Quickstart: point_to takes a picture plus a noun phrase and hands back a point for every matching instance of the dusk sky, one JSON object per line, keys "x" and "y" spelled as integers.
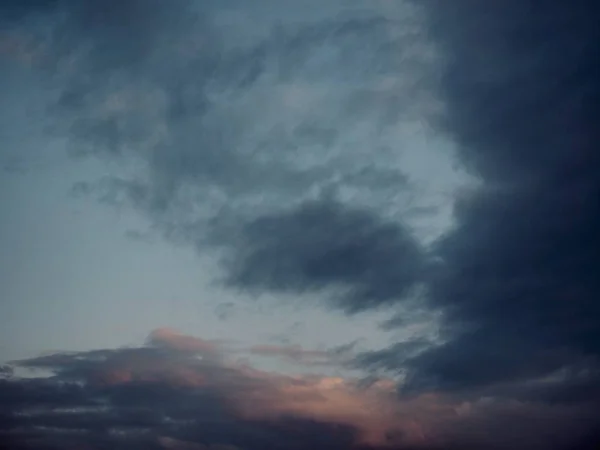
{"x": 310, "y": 224}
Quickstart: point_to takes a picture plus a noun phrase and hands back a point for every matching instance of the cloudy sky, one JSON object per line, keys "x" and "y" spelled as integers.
{"x": 277, "y": 224}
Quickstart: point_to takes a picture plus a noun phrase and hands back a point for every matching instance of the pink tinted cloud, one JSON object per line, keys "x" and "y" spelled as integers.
{"x": 372, "y": 411}
{"x": 260, "y": 395}
{"x": 166, "y": 337}
{"x": 378, "y": 415}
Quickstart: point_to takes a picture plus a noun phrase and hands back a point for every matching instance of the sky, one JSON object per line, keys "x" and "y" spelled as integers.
{"x": 334, "y": 224}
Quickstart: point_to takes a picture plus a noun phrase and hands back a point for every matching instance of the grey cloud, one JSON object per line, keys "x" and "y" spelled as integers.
{"x": 192, "y": 123}
{"x": 325, "y": 244}
{"x": 140, "y": 403}
{"x": 172, "y": 91}
{"x": 14, "y": 10}
{"x": 297, "y": 354}
{"x": 76, "y": 408}
{"x": 293, "y": 352}
{"x": 225, "y": 311}
{"x": 392, "y": 358}
{"x": 519, "y": 276}
{"x": 94, "y": 415}
{"x": 6, "y": 371}
{"x": 144, "y": 397}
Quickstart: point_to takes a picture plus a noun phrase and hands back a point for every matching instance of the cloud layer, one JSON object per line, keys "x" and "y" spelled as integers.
{"x": 167, "y": 395}
{"x": 170, "y": 94}
{"x": 275, "y": 138}
{"x": 518, "y": 282}
{"x": 517, "y": 285}
{"x": 327, "y": 245}
{"x": 167, "y": 391}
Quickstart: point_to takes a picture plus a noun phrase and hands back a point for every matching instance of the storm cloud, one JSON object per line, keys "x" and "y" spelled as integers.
{"x": 518, "y": 285}
{"x": 162, "y": 396}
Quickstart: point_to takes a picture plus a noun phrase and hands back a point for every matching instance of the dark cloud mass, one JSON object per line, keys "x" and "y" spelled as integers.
{"x": 519, "y": 284}
{"x": 324, "y": 244}
{"x": 163, "y": 396}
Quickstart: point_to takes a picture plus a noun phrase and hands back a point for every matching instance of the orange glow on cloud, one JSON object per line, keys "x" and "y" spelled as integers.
{"x": 178, "y": 341}
{"x": 374, "y": 411}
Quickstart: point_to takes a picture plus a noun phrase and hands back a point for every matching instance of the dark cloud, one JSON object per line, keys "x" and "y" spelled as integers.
{"x": 297, "y": 354}
{"x": 323, "y": 245}
{"x": 162, "y": 395}
{"x": 6, "y": 371}
{"x": 168, "y": 86}
{"x": 525, "y": 95}
{"x": 170, "y": 90}
{"x": 292, "y": 352}
{"x": 225, "y": 310}
{"x": 14, "y": 10}
{"x": 518, "y": 282}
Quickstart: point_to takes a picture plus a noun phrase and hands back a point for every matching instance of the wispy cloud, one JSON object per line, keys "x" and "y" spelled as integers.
{"x": 175, "y": 101}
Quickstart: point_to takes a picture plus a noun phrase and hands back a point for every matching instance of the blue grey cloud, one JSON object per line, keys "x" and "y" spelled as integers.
{"x": 518, "y": 280}
{"x": 219, "y": 129}
{"x": 326, "y": 245}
